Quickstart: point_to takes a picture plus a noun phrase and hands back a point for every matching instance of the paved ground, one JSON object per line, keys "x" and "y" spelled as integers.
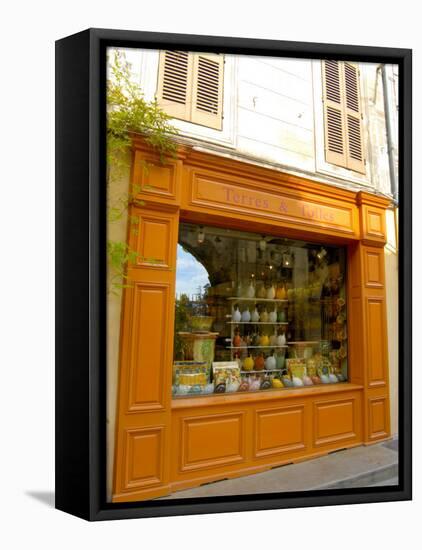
{"x": 358, "y": 467}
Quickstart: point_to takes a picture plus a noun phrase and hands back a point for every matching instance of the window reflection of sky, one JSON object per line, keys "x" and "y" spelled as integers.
{"x": 189, "y": 274}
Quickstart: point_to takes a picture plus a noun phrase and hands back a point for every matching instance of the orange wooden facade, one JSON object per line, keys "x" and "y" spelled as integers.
{"x": 164, "y": 445}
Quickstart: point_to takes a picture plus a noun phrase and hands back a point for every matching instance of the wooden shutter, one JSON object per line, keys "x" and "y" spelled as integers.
{"x": 342, "y": 115}
{"x": 207, "y": 92}
{"x": 175, "y": 83}
{"x": 353, "y": 116}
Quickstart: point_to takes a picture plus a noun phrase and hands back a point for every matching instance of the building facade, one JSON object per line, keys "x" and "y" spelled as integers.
{"x": 307, "y": 126}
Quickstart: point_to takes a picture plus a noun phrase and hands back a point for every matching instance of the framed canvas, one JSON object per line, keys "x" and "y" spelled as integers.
{"x": 233, "y": 314}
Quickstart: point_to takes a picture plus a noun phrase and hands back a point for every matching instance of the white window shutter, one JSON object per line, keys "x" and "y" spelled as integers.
{"x": 174, "y": 92}
{"x": 334, "y": 125}
{"x": 353, "y": 115}
{"x": 207, "y": 90}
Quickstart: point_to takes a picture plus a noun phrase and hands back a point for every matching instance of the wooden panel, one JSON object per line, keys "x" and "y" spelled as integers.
{"x": 356, "y": 341}
{"x": 279, "y": 430}
{"x": 211, "y": 441}
{"x": 378, "y": 418}
{"x": 334, "y": 421}
{"x": 155, "y": 240}
{"x": 155, "y": 181}
{"x": 373, "y": 224}
{"x": 227, "y": 196}
{"x": 148, "y": 355}
{"x": 374, "y": 268}
{"x": 376, "y": 345}
{"x": 143, "y": 458}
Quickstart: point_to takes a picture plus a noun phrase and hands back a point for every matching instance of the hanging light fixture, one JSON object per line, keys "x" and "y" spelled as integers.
{"x": 287, "y": 260}
{"x": 321, "y": 254}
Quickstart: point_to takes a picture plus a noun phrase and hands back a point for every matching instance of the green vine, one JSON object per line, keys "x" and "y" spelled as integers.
{"x": 128, "y": 114}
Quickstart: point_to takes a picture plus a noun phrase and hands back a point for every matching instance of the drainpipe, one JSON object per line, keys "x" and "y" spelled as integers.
{"x": 389, "y": 126}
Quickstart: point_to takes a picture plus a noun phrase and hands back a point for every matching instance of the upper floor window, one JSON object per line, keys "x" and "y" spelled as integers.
{"x": 190, "y": 87}
{"x": 343, "y": 115}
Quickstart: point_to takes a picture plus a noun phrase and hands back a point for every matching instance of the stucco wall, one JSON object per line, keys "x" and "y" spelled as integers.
{"x": 391, "y": 282}
{"x": 116, "y": 231}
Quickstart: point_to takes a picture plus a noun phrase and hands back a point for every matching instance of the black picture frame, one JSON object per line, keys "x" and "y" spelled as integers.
{"x": 81, "y": 269}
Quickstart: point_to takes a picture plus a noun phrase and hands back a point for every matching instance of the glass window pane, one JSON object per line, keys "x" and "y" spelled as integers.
{"x": 257, "y": 312}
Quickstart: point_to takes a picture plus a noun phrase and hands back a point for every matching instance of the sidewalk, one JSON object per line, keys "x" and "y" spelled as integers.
{"x": 358, "y": 467}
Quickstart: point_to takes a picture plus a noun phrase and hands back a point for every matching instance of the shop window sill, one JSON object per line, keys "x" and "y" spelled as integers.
{"x": 268, "y": 395}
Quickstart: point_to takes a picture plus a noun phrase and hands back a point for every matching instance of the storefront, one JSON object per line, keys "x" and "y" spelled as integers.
{"x": 280, "y": 358}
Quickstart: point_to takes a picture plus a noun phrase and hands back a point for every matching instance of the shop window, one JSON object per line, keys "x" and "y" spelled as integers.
{"x": 257, "y": 312}
{"x": 343, "y": 115}
{"x": 190, "y": 87}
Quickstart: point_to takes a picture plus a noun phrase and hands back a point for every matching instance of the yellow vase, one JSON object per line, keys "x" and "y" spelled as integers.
{"x": 281, "y": 293}
{"x": 264, "y": 340}
{"x": 248, "y": 363}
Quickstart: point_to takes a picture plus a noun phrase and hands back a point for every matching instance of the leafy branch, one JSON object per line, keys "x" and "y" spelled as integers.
{"x": 128, "y": 113}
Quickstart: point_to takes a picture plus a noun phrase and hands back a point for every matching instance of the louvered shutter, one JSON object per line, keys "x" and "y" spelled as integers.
{"x": 175, "y": 83}
{"x": 353, "y": 117}
{"x": 207, "y": 92}
{"x": 342, "y": 115}
{"x": 335, "y": 137}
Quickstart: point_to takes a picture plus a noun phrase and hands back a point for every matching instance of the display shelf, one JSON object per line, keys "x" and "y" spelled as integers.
{"x": 259, "y": 371}
{"x": 257, "y": 322}
{"x": 255, "y": 347}
{"x": 257, "y": 300}
{"x": 304, "y": 343}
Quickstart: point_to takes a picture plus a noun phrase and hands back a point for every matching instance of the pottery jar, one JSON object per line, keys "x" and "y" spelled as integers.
{"x": 273, "y": 316}
{"x": 236, "y": 316}
{"x": 270, "y": 293}
{"x": 246, "y": 316}
{"x": 255, "y": 316}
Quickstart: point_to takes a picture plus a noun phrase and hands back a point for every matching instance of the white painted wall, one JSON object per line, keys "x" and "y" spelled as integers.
{"x": 273, "y": 115}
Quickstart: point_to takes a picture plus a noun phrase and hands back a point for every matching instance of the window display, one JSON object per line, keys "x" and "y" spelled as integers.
{"x": 257, "y": 312}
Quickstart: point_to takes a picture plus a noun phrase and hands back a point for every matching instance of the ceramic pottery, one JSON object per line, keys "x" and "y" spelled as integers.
{"x": 280, "y": 360}
{"x": 297, "y": 381}
{"x": 277, "y": 383}
{"x": 333, "y": 378}
{"x": 264, "y": 340}
{"x": 325, "y": 379}
{"x": 266, "y": 384}
{"x": 244, "y": 386}
{"x": 316, "y": 379}
{"x": 273, "y": 340}
{"x": 232, "y": 386}
{"x": 270, "y": 362}
{"x": 287, "y": 382}
{"x": 255, "y": 340}
{"x": 270, "y": 293}
{"x": 236, "y": 316}
{"x": 261, "y": 292}
{"x": 281, "y": 317}
{"x": 264, "y": 316}
{"x": 246, "y": 316}
{"x": 237, "y": 340}
{"x": 307, "y": 381}
{"x": 248, "y": 363}
{"x": 259, "y": 362}
{"x": 281, "y": 293}
{"x": 255, "y": 316}
{"x": 273, "y": 316}
{"x": 220, "y": 388}
{"x": 254, "y": 383}
{"x": 281, "y": 340}
{"x": 250, "y": 293}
